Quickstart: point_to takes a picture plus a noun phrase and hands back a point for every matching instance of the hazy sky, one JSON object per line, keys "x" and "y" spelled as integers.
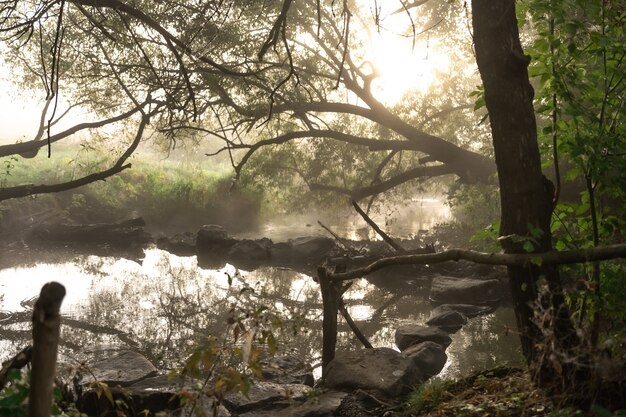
{"x": 19, "y": 111}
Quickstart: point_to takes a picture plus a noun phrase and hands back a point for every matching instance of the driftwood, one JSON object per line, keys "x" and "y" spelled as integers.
{"x": 16, "y": 362}
{"x": 46, "y": 328}
{"x": 378, "y": 230}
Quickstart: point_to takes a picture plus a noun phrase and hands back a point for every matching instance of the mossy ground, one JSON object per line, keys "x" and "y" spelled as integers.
{"x": 500, "y": 392}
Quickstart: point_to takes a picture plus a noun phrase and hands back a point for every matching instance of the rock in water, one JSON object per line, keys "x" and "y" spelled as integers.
{"x": 465, "y": 290}
{"x": 429, "y": 357}
{"x": 468, "y": 310}
{"x": 411, "y": 334}
{"x": 448, "y": 321}
{"x": 381, "y": 370}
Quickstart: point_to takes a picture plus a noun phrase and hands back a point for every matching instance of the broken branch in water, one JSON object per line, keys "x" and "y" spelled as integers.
{"x": 378, "y": 230}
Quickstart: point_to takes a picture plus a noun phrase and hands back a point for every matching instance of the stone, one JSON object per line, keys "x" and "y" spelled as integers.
{"x": 312, "y": 247}
{"x": 410, "y": 334}
{"x": 281, "y": 253}
{"x": 181, "y": 244}
{"x": 264, "y": 394}
{"x": 210, "y": 234}
{"x": 429, "y": 357}
{"x": 124, "y": 368}
{"x": 468, "y": 310}
{"x": 453, "y": 290}
{"x": 323, "y": 405}
{"x": 93, "y": 403}
{"x": 448, "y": 321}
{"x": 287, "y": 369}
{"x": 248, "y": 252}
{"x": 381, "y": 370}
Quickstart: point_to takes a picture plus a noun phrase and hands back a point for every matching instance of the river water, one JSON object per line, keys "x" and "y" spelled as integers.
{"x": 164, "y": 304}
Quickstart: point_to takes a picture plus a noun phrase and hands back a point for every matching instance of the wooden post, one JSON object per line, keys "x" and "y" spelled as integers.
{"x": 329, "y": 323}
{"x": 46, "y": 327}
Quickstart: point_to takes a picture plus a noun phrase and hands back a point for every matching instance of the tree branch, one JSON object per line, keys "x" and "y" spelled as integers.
{"x": 599, "y": 253}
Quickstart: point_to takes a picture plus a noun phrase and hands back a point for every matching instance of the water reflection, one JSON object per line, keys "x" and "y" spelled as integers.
{"x": 162, "y": 306}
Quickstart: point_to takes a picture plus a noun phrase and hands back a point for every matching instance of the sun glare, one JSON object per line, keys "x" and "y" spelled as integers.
{"x": 404, "y": 63}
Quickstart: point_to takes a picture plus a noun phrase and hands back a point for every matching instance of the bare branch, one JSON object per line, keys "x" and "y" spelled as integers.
{"x": 599, "y": 253}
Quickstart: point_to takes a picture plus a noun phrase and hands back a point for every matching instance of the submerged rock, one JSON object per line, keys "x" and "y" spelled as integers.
{"x": 381, "y": 370}
{"x": 468, "y": 310}
{"x": 411, "y": 334}
{"x": 124, "y": 369}
{"x": 449, "y": 321}
{"x": 429, "y": 357}
{"x": 454, "y": 290}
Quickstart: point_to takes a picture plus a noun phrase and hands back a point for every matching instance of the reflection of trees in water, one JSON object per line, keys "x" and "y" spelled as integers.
{"x": 485, "y": 342}
{"x": 165, "y": 306}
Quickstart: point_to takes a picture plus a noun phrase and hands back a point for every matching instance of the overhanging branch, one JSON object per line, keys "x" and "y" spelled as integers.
{"x": 600, "y": 253}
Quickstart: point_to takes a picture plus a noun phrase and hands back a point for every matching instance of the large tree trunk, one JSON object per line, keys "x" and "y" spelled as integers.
{"x": 526, "y": 195}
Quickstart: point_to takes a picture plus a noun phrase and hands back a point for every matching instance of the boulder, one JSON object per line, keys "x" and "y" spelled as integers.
{"x": 155, "y": 394}
{"x": 449, "y": 321}
{"x": 287, "y": 369}
{"x": 410, "y": 334}
{"x": 124, "y": 369}
{"x": 454, "y": 290}
{"x": 311, "y": 248}
{"x": 249, "y": 253}
{"x": 211, "y": 234}
{"x": 181, "y": 244}
{"x": 381, "y": 370}
{"x": 468, "y": 310}
{"x": 429, "y": 357}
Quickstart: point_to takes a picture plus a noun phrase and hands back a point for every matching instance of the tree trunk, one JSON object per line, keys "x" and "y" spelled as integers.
{"x": 526, "y": 195}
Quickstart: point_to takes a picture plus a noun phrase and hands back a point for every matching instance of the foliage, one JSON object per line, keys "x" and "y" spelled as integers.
{"x": 13, "y": 398}
{"x": 232, "y": 361}
{"x": 578, "y": 65}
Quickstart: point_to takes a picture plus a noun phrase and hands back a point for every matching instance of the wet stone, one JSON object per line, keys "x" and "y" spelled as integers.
{"x": 381, "y": 370}
{"x": 468, "y": 310}
{"x": 410, "y": 334}
{"x": 454, "y": 290}
{"x": 448, "y": 321}
{"x": 124, "y": 368}
{"x": 429, "y": 357}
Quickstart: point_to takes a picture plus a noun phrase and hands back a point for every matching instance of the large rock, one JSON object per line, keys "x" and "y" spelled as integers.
{"x": 211, "y": 234}
{"x": 382, "y": 370}
{"x": 449, "y": 321}
{"x": 124, "y": 368}
{"x": 468, "y": 310}
{"x": 411, "y": 334}
{"x": 429, "y": 357}
{"x": 249, "y": 253}
{"x": 311, "y": 247}
{"x": 181, "y": 244}
{"x": 465, "y": 290}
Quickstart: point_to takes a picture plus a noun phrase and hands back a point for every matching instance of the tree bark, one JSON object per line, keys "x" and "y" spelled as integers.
{"x": 46, "y": 328}
{"x": 525, "y": 194}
